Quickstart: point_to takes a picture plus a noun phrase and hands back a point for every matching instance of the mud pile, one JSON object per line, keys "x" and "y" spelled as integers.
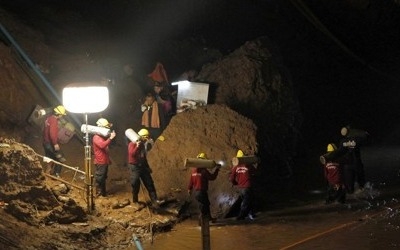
{"x": 215, "y": 130}
{"x": 253, "y": 81}
{"x": 23, "y": 188}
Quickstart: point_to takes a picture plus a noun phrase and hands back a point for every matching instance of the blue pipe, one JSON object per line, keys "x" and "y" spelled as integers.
{"x": 137, "y": 242}
{"x": 30, "y": 63}
{"x": 33, "y": 66}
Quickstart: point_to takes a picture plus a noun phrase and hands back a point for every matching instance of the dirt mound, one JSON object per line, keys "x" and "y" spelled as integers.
{"x": 23, "y": 188}
{"x": 253, "y": 82}
{"x": 215, "y": 130}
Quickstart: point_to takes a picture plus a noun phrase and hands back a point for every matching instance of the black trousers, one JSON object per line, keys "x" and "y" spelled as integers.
{"x": 353, "y": 172}
{"x": 204, "y": 203}
{"x": 51, "y": 153}
{"x": 100, "y": 178}
{"x": 246, "y": 207}
{"x": 335, "y": 193}
{"x": 142, "y": 172}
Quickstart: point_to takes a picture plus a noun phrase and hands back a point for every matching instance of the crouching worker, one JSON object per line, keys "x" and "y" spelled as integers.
{"x": 198, "y": 183}
{"x": 333, "y": 171}
{"x": 140, "y": 169}
{"x": 242, "y": 176}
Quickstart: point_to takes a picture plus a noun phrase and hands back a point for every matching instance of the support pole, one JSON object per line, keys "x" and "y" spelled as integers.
{"x": 205, "y": 232}
{"x": 88, "y": 171}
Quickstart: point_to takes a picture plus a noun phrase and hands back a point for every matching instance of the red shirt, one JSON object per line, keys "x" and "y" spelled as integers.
{"x": 333, "y": 173}
{"x": 199, "y": 178}
{"x": 50, "y": 131}
{"x": 242, "y": 175}
{"x": 100, "y": 149}
{"x": 136, "y": 153}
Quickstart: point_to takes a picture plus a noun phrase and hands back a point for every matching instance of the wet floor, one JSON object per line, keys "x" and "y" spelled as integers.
{"x": 369, "y": 220}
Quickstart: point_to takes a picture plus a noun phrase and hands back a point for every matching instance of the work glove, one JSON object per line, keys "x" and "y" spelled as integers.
{"x": 145, "y": 107}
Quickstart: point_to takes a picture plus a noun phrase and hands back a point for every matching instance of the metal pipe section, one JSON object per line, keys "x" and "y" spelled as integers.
{"x": 199, "y": 163}
{"x": 48, "y": 160}
{"x": 64, "y": 181}
{"x": 245, "y": 160}
{"x": 136, "y": 240}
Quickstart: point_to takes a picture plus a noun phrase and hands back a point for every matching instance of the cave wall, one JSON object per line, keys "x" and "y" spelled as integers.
{"x": 254, "y": 82}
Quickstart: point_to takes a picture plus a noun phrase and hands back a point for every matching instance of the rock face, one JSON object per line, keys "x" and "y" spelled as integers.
{"x": 215, "y": 130}
{"x": 22, "y": 187}
{"x": 253, "y": 82}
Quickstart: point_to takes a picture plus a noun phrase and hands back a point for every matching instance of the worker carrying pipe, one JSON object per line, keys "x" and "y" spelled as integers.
{"x": 138, "y": 148}
{"x": 198, "y": 184}
{"x": 102, "y": 156}
{"x": 242, "y": 176}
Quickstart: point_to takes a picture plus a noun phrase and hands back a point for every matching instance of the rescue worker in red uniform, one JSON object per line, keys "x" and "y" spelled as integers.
{"x": 50, "y": 139}
{"x": 102, "y": 157}
{"x": 242, "y": 177}
{"x": 140, "y": 169}
{"x": 198, "y": 183}
{"x": 333, "y": 172}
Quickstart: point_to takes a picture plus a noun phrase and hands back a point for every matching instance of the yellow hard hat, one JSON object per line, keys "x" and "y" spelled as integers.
{"x": 239, "y": 153}
{"x": 143, "y": 132}
{"x": 60, "y": 110}
{"x": 331, "y": 147}
{"x": 102, "y": 122}
{"x": 202, "y": 156}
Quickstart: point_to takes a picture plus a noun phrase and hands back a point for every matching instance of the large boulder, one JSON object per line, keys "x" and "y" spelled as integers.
{"x": 253, "y": 81}
{"x": 215, "y": 130}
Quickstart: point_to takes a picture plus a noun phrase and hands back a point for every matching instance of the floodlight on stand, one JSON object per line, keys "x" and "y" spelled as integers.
{"x": 86, "y": 98}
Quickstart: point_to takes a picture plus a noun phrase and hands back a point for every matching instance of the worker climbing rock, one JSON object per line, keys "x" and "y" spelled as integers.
{"x": 198, "y": 184}
{"x": 242, "y": 177}
{"x": 50, "y": 139}
{"x": 102, "y": 157}
{"x": 140, "y": 169}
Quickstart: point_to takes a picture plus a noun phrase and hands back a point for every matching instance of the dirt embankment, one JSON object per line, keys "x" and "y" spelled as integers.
{"x": 54, "y": 215}
{"x": 215, "y": 130}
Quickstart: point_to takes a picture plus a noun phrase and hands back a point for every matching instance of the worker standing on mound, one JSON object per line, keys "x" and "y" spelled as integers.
{"x": 140, "y": 169}
{"x": 102, "y": 157}
{"x": 50, "y": 139}
{"x": 242, "y": 177}
{"x": 199, "y": 183}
